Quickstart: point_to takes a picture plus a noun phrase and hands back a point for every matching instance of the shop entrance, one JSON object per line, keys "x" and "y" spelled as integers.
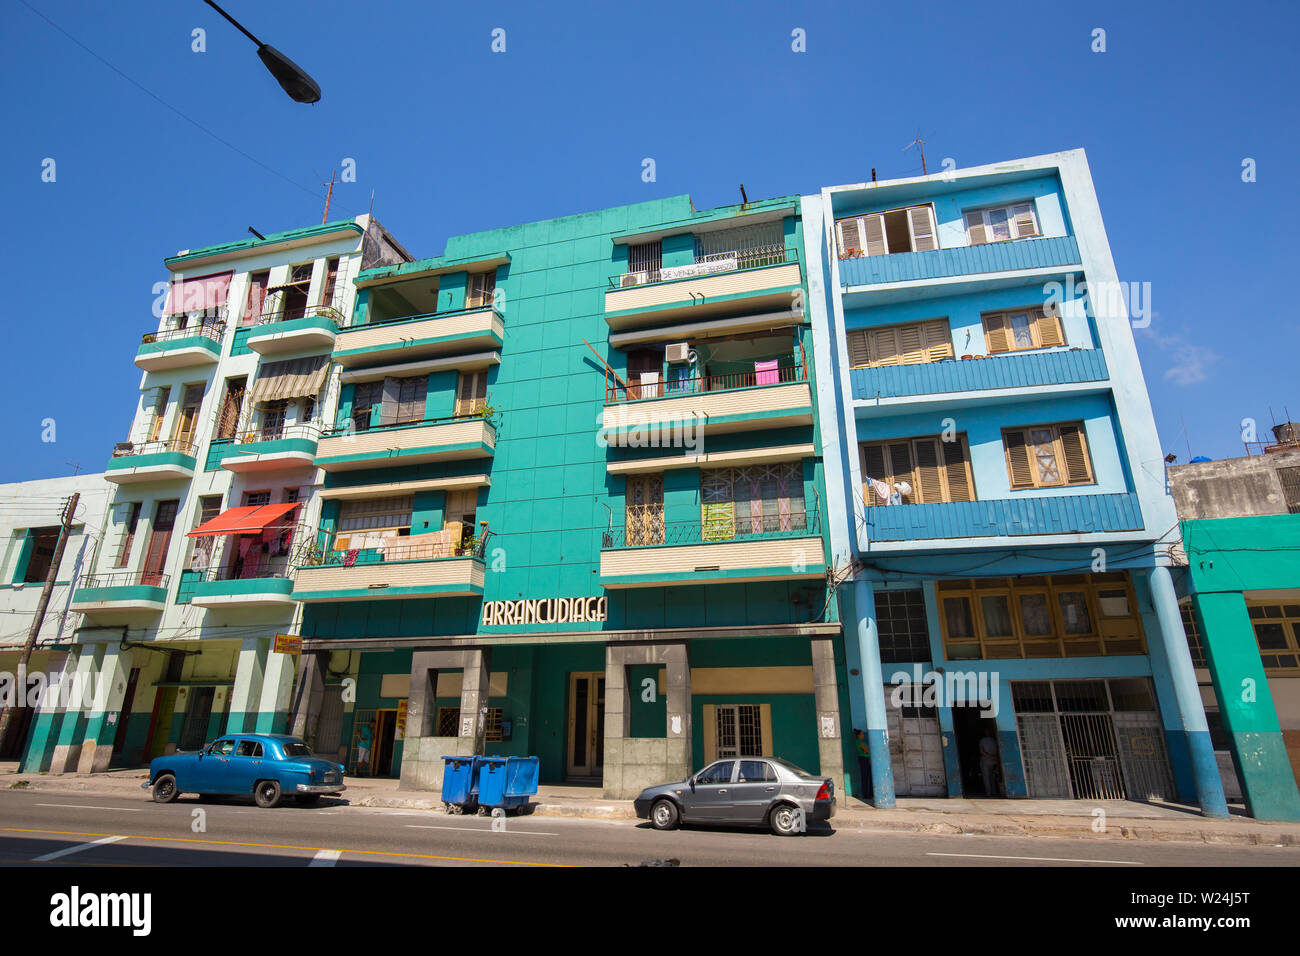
{"x": 373, "y": 735}
{"x": 586, "y": 745}
{"x": 970, "y": 727}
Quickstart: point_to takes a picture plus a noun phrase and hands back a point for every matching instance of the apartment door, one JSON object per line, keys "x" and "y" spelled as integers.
{"x": 586, "y": 725}
{"x": 471, "y": 397}
{"x": 128, "y": 701}
{"x": 645, "y": 509}
{"x": 187, "y": 423}
{"x": 160, "y": 537}
{"x": 915, "y": 749}
{"x": 231, "y": 405}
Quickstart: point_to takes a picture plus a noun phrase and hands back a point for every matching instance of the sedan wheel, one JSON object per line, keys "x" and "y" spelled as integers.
{"x": 663, "y": 815}
{"x": 164, "y": 789}
{"x": 267, "y": 794}
{"x": 785, "y": 820}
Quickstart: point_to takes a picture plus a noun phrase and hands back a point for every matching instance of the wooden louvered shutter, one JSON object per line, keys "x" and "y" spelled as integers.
{"x": 850, "y": 236}
{"x": 883, "y": 348}
{"x": 910, "y": 345}
{"x": 859, "y": 353}
{"x": 873, "y": 227}
{"x": 1018, "y": 465}
{"x": 1023, "y": 216}
{"x": 929, "y": 484}
{"x": 937, "y": 340}
{"x": 1075, "y": 453}
{"x": 997, "y": 335}
{"x": 956, "y": 469}
{"x": 900, "y": 464}
{"x": 975, "y": 230}
{"x": 922, "y": 223}
{"x": 873, "y": 467}
{"x": 1049, "y": 329}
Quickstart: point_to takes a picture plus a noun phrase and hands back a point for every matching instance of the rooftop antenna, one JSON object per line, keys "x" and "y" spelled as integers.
{"x": 744, "y": 196}
{"x": 873, "y": 174}
{"x": 76, "y": 466}
{"x": 328, "y": 196}
{"x": 1185, "y": 438}
{"x": 371, "y": 210}
{"x": 256, "y": 233}
{"x": 920, "y": 145}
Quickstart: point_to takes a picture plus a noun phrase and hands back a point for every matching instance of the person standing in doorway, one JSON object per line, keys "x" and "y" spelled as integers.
{"x": 864, "y": 759}
{"x": 364, "y": 736}
{"x": 989, "y": 763}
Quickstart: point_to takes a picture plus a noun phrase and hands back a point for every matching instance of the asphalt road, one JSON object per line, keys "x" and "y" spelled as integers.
{"x": 91, "y": 830}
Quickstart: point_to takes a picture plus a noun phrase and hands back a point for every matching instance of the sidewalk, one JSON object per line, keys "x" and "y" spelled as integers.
{"x": 1074, "y": 819}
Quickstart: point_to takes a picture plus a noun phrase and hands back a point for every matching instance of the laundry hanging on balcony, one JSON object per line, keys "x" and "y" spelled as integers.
{"x": 295, "y": 378}
{"x": 250, "y": 519}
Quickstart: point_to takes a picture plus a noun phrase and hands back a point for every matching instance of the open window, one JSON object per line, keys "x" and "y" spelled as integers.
{"x": 1001, "y": 223}
{"x": 907, "y": 229}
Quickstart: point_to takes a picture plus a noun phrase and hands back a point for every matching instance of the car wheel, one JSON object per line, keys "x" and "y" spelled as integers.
{"x": 784, "y": 820}
{"x": 267, "y": 793}
{"x": 664, "y": 815}
{"x": 308, "y": 799}
{"x": 164, "y": 789}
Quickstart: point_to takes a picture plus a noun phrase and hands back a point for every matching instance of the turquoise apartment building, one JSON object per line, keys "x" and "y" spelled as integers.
{"x": 998, "y": 496}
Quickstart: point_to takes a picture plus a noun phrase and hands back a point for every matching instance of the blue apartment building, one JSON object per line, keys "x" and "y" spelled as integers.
{"x": 1001, "y": 527}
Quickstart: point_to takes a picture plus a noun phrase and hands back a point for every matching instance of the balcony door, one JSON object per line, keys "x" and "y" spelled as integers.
{"x": 187, "y": 422}
{"x": 645, "y": 509}
{"x": 160, "y": 538}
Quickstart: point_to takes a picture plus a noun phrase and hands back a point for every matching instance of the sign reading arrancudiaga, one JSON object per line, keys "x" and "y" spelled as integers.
{"x": 545, "y": 611}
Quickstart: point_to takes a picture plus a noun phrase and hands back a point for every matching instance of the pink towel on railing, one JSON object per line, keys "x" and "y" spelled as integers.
{"x": 766, "y": 373}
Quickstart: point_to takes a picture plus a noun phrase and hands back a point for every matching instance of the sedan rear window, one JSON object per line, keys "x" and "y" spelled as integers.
{"x": 755, "y": 771}
{"x": 295, "y": 748}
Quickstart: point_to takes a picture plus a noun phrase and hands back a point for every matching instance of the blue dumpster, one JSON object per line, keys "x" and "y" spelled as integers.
{"x": 507, "y": 782}
{"x": 460, "y": 782}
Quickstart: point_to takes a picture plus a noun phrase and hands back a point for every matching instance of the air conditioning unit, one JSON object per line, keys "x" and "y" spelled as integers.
{"x": 634, "y": 278}
{"x": 678, "y": 352}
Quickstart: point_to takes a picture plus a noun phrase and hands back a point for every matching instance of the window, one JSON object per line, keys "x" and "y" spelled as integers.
{"x": 448, "y": 722}
{"x": 365, "y": 396}
{"x": 1020, "y": 329}
{"x": 1290, "y": 478}
{"x": 736, "y": 502}
{"x": 223, "y": 748}
{"x": 365, "y": 524}
{"x": 1047, "y": 616}
{"x": 936, "y": 470}
{"x": 719, "y": 772}
{"x": 129, "y": 516}
{"x": 1001, "y": 223}
{"x": 1194, "y": 642}
{"x": 900, "y": 622}
{"x": 209, "y": 508}
{"x": 295, "y": 292}
{"x": 740, "y": 730}
{"x": 747, "y": 246}
{"x": 331, "y": 281}
{"x": 644, "y": 260}
{"x": 645, "y": 510}
{"x": 248, "y": 748}
{"x": 156, "y": 411}
{"x": 480, "y": 289}
{"x": 461, "y": 506}
{"x": 1277, "y": 630}
{"x": 273, "y": 416}
{"x": 410, "y": 397}
{"x": 755, "y": 771}
{"x": 231, "y": 405}
{"x": 471, "y": 395}
{"x": 188, "y": 420}
{"x": 1047, "y": 456}
{"x": 912, "y": 344}
{"x": 256, "y": 305}
{"x": 909, "y": 229}
{"x": 43, "y": 542}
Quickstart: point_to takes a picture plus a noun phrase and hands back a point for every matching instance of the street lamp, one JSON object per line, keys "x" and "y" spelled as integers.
{"x": 292, "y": 78}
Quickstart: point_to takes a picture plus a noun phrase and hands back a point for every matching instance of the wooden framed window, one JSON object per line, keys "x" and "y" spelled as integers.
{"x": 461, "y": 506}
{"x": 1277, "y": 631}
{"x": 1072, "y": 615}
{"x": 913, "y": 344}
{"x": 188, "y": 420}
{"x": 907, "y": 229}
{"x": 471, "y": 393}
{"x": 131, "y": 520}
{"x": 644, "y": 521}
{"x": 1019, "y": 329}
{"x": 1001, "y": 223}
{"x": 761, "y": 499}
{"x": 937, "y": 470}
{"x": 365, "y": 396}
{"x": 366, "y": 523}
{"x": 480, "y": 288}
{"x": 409, "y": 399}
{"x": 1047, "y": 456}
{"x": 331, "y": 281}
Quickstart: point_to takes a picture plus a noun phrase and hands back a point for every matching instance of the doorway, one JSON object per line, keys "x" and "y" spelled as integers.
{"x": 385, "y": 729}
{"x": 586, "y": 744}
{"x": 970, "y": 727}
{"x": 194, "y": 732}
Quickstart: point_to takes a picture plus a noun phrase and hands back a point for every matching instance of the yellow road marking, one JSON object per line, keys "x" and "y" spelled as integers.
{"x": 281, "y": 846}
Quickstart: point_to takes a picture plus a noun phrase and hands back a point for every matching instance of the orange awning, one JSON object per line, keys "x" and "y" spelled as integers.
{"x": 247, "y": 520}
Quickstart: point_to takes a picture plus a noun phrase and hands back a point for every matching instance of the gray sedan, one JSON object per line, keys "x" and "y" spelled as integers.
{"x": 747, "y": 791}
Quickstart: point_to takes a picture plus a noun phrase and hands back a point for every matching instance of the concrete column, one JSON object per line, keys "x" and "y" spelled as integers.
{"x": 308, "y": 693}
{"x": 617, "y": 720}
{"x": 826, "y": 699}
{"x": 873, "y": 691}
{"x": 78, "y": 680}
{"x": 474, "y": 700}
{"x": 634, "y": 763}
{"x": 106, "y": 712}
{"x": 247, "y": 692}
{"x": 277, "y": 691}
{"x": 47, "y": 722}
{"x": 1246, "y": 706}
{"x": 1209, "y": 787}
{"x": 678, "y": 758}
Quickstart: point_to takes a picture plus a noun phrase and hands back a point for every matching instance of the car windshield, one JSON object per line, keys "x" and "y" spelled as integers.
{"x": 295, "y": 748}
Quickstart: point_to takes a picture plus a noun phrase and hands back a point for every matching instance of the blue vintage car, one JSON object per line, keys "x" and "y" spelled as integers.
{"x": 268, "y": 767}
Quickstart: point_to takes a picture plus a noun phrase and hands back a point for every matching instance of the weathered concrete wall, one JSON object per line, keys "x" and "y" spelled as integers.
{"x": 1231, "y": 488}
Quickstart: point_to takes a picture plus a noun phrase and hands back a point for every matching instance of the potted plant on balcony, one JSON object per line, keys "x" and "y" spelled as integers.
{"x": 148, "y": 338}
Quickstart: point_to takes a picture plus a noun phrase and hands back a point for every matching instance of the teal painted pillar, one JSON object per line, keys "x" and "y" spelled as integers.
{"x": 246, "y": 694}
{"x": 277, "y": 688}
{"x": 853, "y": 687}
{"x": 1246, "y": 705}
{"x": 109, "y": 695}
{"x": 74, "y": 692}
{"x": 1205, "y": 770}
{"x": 47, "y": 723}
{"x": 1014, "y": 781}
{"x": 873, "y": 691}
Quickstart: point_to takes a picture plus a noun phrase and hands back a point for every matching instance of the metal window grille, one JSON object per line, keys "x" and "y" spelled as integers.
{"x": 750, "y": 245}
{"x": 740, "y": 730}
{"x": 1290, "y": 478}
{"x": 644, "y": 260}
{"x": 448, "y": 722}
{"x": 900, "y": 619}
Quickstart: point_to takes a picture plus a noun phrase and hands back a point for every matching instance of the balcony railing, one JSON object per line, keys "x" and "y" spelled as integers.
{"x": 265, "y": 433}
{"x": 424, "y": 316}
{"x": 1022, "y": 254}
{"x": 616, "y": 392}
{"x": 261, "y": 566}
{"x": 292, "y": 315}
{"x": 212, "y": 329}
{"x": 655, "y": 533}
{"x": 410, "y": 549}
{"x": 1030, "y": 370}
{"x": 356, "y": 425}
{"x": 124, "y": 578}
{"x": 1047, "y": 515}
{"x": 716, "y": 263}
{"x": 127, "y": 449}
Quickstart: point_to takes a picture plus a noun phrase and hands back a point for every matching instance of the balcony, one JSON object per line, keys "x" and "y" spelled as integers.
{"x": 262, "y": 583}
{"x": 410, "y": 443}
{"x": 1010, "y": 517}
{"x": 172, "y": 460}
{"x": 181, "y": 348}
{"x": 758, "y": 280}
{"x": 270, "y": 448}
{"x": 315, "y": 330}
{"x": 414, "y": 337}
{"x": 988, "y": 373}
{"x": 651, "y": 414}
{"x": 121, "y": 593}
{"x": 406, "y": 568}
{"x": 775, "y": 548}
{"x": 904, "y": 268}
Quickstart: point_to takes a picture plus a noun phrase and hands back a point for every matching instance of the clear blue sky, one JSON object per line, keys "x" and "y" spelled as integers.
{"x": 453, "y": 138}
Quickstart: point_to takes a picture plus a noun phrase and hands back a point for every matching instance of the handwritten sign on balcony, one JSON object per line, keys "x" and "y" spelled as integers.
{"x": 698, "y": 269}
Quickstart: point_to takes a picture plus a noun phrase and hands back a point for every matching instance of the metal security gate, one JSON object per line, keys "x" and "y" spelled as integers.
{"x": 1093, "y": 756}
{"x": 1142, "y": 755}
{"x": 1043, "y": 752}
{"x": 915, "y": 749}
